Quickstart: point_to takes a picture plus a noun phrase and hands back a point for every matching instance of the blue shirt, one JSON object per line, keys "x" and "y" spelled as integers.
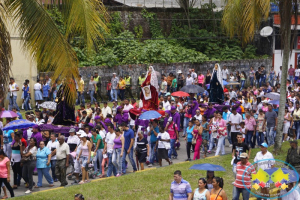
{"x": 19, "y": 115}
{"x": 180, "y": 191}
{"x": 26, "y": 92}
{"x": 46, "y": 90}
{"x": 226, "y": 115}
{"x": 153, "y": 138}
{"x": 205, "y": 133}
{"x": 189, "y": 134}
{"x": 128, "y": 135}
{"x": 42, "y": 158}
{"x": 7, "y": 136}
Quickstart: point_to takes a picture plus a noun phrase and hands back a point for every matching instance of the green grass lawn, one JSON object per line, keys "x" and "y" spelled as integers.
{"x": 149, "y": 184}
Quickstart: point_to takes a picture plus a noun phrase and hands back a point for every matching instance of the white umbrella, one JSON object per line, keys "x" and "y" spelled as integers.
{"x": 49, "y": 105}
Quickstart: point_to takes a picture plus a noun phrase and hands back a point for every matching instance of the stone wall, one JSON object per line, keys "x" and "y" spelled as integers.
{"x": 135, "y": 70}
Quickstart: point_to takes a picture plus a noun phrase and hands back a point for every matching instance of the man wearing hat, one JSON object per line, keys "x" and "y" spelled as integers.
{"x": 140, "y": 81}
{"x": 128, "y": 87}
{"x": 264, "y": 154}
{"x": 242, "y": 183}
{"x": 293, "y": 157}
{"x": 97, "y": 80}
{"x": 114, "y": 87}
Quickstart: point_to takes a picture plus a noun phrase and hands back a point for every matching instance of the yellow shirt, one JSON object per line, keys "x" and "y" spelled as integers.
{"x": 81, "y": 86}
{"x": 296, "y": 113}
{"x": 122, "y": 84}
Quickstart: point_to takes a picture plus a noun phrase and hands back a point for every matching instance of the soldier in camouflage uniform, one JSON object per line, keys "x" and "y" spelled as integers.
{"x": 293, "y": 157}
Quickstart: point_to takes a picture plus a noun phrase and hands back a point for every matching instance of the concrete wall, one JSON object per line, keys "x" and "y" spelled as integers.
{"x": 135, "y": 70}
{"x": 22, "y": 67}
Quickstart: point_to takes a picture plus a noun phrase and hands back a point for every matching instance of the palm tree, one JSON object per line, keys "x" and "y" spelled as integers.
{"x": 242, "y": 18}
{"x": 42, "y": 40}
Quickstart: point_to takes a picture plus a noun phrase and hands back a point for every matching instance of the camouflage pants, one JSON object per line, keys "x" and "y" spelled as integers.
{"x": 60, "y": 171}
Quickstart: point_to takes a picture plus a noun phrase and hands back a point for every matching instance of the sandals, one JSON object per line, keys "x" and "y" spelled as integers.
{"x": 87, "y": 181}
{"x": 81, "y": 182}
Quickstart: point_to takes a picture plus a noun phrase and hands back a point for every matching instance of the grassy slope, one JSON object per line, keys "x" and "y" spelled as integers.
{"x": 150, "y": 184}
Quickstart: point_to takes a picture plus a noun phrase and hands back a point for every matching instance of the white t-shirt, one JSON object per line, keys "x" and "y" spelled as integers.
{"x": 127, "y": 107}
{"x": 247, "y": 105}
{"x": 73, "y": 140}
{"x": 264, "y": 164}
{"x": 297, "y": 72}
{"x": 161, "y": 144}
{"x": 12, "y": 89}
{"x": 189, "y": 81}
{"x": 194, "y": 75}
{"x": 199, "y": 117}
{"x": 294, "y": 195}
{"x": 52, "y": 145}
{"x": 231, "y": 78}
{"x": 225, "y": 73}
{"x": 164, "y": 86}
{"x": 235, "y": 119}
{"x": 106, "y": 111}
{"x": 179, "y": 106}
{"x": 37, "y": 86}
{"x": 102, "y": 133}
{"x": 33, "y": 150}
{"x": 110, "y": 141}
{"x": 166, "y": 105}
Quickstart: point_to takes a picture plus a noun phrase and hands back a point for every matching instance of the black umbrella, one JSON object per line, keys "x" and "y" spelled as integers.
{"x": 273, "y": 96}
{"x": 194, "y": 89}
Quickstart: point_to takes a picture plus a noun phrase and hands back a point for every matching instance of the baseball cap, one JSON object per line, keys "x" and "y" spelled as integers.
{"x": 79, "y": 132}
{"x": 83, "y": 135}
{"x": 244, "y": 155}
{"x": 264, "y": 145}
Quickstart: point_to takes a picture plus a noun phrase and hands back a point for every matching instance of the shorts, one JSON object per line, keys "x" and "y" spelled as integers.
{"x": 77, "y": 168}
{"x": 83, "y": 161}
{"x": 142, "y": 157}
{"x": 162, "y": 154}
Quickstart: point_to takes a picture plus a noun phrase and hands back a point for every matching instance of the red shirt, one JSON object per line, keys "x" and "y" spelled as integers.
{"x": 291, "y": 71}
{"x": 242, "y": 177}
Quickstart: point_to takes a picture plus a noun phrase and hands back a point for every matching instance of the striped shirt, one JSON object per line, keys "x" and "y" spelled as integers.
{"x": 180, "y": 191}
{"x": 242, "y": 177}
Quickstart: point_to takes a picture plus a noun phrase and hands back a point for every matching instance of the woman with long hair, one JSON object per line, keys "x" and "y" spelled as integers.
{"x": 29, "y": 163}
{"x": 118, "y": 151}
{"x": 85, "y": 157}
{"x": 5, "y": 172}
{"x": 142, "y": 149}
{"x": 189, "y": 138}
{"x": 217, "y": 193}
{"x": 198, "y": 129}
{"x": 210, "y": 175}
{"x": 222, "y": 133}
{"x": 207, "y": 77}
{"x": 17, "y": 147}
{"x": 202, "y": 192}
{"x": 98, "y": 146}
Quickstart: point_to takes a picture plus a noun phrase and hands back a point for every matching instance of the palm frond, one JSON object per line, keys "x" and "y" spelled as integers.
{"x": 87, "y": 18}
{"x": 45, "y": 44}
{"x": 243, "y": 17}
{"x": 5, "y": 55}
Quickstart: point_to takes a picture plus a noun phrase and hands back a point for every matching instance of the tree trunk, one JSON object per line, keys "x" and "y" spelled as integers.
{"x": 285, "y": 30}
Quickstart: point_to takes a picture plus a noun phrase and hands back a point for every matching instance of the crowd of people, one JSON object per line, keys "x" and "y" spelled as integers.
{"x": 105, "y": 135}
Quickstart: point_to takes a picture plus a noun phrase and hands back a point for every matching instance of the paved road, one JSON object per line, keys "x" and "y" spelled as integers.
{"x": 182, "y": 156}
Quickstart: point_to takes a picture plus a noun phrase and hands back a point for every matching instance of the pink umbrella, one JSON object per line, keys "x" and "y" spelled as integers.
{"x": 8, "y": 114}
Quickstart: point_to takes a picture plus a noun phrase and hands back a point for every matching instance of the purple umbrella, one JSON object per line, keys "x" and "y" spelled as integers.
{"x": 8, "y": 114}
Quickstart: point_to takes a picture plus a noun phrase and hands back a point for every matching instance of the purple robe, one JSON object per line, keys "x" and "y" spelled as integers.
{"x": 143, "y": 123}
{"x": 119, "y": 118}
{"x": 193, "y": 108}
{"x": 38, "y": 136}
{"x": 209, "y": 112}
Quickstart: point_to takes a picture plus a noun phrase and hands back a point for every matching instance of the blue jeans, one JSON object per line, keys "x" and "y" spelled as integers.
{"x": 111, "y": 168}
{"x": 185, "y": 124}
{"x": 248, "y": 138}
{"x": 92, "y": 92}
{"x": 53, "y": 163}
{"x": 291, "y": 79}
{"x": 251, "y": 81}
{"x": 262, "y": 80}
{"x": 130, "y": 155}
{"x": 117, "y": 160}
{"x": 260, "y": 137}
{"x": 99, "y": 157}
{"x": 13, "y": 103}
{"x": 26, "y": 103}
{"x": 153, "y": 153}
{"x": 270, "y": 135}
{"x": 108, "y": 94}
{"x": 297, "y": 127}
{"x": 80, "y": 98}
{"x": 242, "y": 84}
{"x": 121, "y": 94}
{"x": 114, "y": 94}
{"x": 172, "y": 150}
{"x": 271, "y": 81}
{"x": 237, "y": 191}
{"x": 45, "y": 172}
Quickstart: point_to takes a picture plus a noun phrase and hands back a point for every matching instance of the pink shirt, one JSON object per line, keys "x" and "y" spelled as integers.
{"x": 222, "y": 123}
{"x": 250, "y": 123}
{"x": 171, "y": 130}
{"x": 201, "y": 79}
{"x": 3, "y": 168}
